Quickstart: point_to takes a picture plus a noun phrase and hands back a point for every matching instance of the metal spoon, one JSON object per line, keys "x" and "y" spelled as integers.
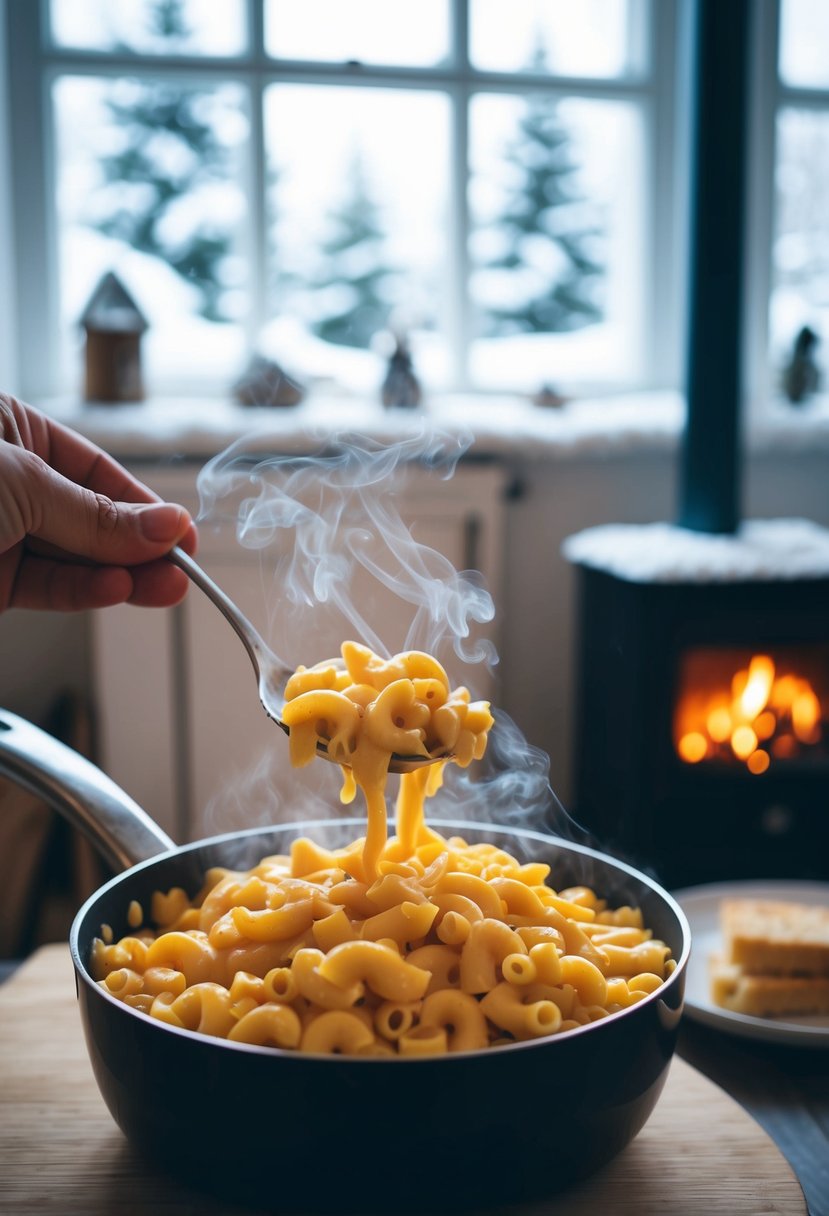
{"x": 271, "y": 673}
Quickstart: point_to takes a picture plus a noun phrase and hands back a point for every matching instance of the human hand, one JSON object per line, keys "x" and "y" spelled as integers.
{"x": 76, "y": 529}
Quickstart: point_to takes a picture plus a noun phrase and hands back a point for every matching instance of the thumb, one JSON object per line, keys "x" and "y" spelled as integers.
{"x": 93, "y": 526}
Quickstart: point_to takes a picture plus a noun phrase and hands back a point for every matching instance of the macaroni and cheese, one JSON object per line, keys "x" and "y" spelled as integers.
{"x": 412, "y": 945}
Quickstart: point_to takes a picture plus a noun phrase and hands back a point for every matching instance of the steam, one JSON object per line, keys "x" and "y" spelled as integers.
{"x": 338, "y": 561}
{"x": 329, "y": 524}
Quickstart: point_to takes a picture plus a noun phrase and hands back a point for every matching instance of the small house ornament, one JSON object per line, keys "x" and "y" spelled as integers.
{"x": 114, "y": 325}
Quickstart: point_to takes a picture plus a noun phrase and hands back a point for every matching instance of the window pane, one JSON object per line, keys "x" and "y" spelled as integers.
{"x": 414, "y": 34}
{"x": 603, "y": 38}
{"x": 358, "y": 208}
{"x": 148, "y": 187}
{"x": 155, "y": 27}
{"x": 800, "y": 263}
{"x": 804, "y": 43}
{"x": 557, "y": 207}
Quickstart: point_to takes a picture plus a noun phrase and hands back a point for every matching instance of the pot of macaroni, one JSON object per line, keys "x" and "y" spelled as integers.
{"x": 333, "y": 1016}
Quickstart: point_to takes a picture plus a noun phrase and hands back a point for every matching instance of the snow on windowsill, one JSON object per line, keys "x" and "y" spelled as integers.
{"x": 505, "y": 426}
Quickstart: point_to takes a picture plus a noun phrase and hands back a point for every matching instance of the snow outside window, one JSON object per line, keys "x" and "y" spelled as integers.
{"x": 309, "y": 181}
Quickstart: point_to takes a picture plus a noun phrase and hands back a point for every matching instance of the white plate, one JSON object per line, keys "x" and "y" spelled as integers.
{"x": 702, "y": 907}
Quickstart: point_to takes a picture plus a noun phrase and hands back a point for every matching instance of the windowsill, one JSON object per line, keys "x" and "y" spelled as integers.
{"x": 197, "y": 428}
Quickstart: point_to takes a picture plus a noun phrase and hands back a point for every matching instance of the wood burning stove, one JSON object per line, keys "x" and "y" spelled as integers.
{"x": 703, "y": 699}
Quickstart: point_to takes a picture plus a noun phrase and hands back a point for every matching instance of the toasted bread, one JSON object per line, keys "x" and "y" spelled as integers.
{"x": 767, "y": 937}
{"x": 767, "y": 995}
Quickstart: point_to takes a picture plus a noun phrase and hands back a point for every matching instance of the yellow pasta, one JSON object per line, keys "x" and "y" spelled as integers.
{"x": 460, "y": 1016}
{"x": 409, "y": 945}
{"x": 336, "y": 1033}
{"x": 512, "y": 1009}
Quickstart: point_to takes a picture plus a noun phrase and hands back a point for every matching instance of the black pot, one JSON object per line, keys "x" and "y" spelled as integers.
{"x": 288, "y": 1131}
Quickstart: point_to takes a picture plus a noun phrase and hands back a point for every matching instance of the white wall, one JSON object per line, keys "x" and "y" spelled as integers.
{"x": 539, "y": 627}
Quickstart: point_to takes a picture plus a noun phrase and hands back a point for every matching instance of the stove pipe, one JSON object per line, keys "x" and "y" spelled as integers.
{"x": 710, "y": 456}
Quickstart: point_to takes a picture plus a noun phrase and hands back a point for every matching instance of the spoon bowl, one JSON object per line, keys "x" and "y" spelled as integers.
{"x": 271, "y": 673}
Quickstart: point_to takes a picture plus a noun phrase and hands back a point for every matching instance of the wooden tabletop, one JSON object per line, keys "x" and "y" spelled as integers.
{"x": 60, "y": 1151}
{"x": 785, "y": 1088}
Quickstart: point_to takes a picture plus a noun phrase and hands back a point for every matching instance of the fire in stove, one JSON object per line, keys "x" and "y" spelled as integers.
{"x": 742, "y": 708}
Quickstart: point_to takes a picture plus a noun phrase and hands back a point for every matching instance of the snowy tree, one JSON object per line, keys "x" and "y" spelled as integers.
{"x": 353, "y": 290}
{"x": 546, "y": 274}
{"x": 167, "y": 150}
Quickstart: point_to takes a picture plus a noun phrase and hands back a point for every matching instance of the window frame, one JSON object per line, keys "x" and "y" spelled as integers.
{"x": 770, "y": 94}
{"x": 36, "y": 62}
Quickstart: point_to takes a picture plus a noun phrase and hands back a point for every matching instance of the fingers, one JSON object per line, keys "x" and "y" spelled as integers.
{"x": 189, "y": 542}
{"x": 64, "y": 587}
{"x": 158, "y": 585}
{"x": 77, "y": 530}
{"x": 91, "y": 525}
{"x": 75, "y": 457}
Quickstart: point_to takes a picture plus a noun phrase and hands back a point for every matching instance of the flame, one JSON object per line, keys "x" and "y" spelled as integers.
{"x": 693, "y": 747}
{"x": 758, "y": 761}
{"x": 743, "y": 742}
{"x": 755, "y": 695}
{"x": 758, "y": 714}
{"x": 806, "y": 715}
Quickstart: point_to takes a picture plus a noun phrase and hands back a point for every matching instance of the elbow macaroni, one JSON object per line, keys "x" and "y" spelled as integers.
{"x": 409, "y": 946}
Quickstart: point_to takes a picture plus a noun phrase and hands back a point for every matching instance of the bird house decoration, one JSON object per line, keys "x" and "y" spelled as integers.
{"x": 114, "y": 325}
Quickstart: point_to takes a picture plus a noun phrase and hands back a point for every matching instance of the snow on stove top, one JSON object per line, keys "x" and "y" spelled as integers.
{"x": 762, "y": 550}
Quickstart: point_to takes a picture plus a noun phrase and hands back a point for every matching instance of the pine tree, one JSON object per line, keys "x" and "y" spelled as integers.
{"x": 170, "y": 149}
{"x": 543, "y": 210}
{"x": 354, "y": 289}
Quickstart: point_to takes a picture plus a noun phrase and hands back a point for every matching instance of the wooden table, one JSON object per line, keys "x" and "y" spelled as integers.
{"x": 60, "y": 1151}
{"x": 785, "y": 1088}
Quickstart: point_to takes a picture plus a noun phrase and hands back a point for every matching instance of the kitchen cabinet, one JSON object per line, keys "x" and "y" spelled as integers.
{"x": 180, "y": 726}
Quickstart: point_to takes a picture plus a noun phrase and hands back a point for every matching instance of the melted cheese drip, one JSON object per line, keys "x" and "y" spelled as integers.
{"x": 368, "y": 709}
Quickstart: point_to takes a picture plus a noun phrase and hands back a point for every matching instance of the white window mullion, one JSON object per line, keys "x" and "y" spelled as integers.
{"x": 257, "y": 240}
{"x": 9, "y": 369}
{"x": 757, "y": 372}
{"x": 35, "y": 300}
{"x": 459, "y": 322}
{"x": 667, "y": 155}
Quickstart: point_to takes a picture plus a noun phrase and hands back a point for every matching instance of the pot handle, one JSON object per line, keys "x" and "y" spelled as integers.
{"x": 121, "y": 832}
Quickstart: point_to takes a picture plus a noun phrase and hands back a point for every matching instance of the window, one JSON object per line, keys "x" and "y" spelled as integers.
{"x": 309, "y": 180}
{"x": 306, "y": 179}
{"x": 799, "y": 296}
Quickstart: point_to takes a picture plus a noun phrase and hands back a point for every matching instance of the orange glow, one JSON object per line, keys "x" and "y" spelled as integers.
{"x": 738, "y": 683}
{"x": 692, "y": 747}
{"x": 743, "y": 742}
{"x": 755, "y": 695}
{"x": 785, "y": 691}
{"x": 805, "y": 716}
{"x": 766, "y": 725}
{"x": 719, "y": 725}
{"x": 762, "y": 711}
{"x": 784, "y": 747}
{"x": 758, "y": 762}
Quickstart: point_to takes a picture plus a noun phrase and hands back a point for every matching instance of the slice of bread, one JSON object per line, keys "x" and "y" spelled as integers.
{"x": 776, "y": 938}
{"x": 767, "y": 995}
